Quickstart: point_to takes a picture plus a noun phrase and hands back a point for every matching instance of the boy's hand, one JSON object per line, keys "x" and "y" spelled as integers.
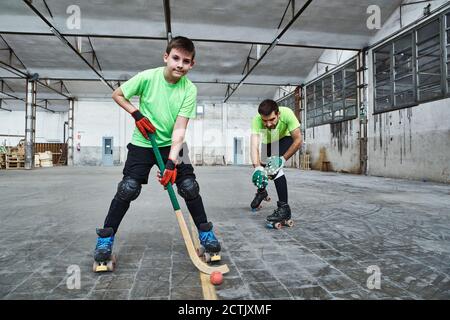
{"x": 170, "y": 173}
{"x": 143, "y": 124}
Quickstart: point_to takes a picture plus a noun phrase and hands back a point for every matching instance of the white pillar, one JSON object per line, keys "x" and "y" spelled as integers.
{"x": 70, "y": 134}
{"x": 30, "y": 124}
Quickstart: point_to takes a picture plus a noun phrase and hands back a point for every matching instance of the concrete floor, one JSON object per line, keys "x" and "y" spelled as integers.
{"x": 343, "y": 225}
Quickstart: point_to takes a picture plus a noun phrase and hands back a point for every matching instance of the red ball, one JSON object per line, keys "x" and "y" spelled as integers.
{"x": 216, "y": 277}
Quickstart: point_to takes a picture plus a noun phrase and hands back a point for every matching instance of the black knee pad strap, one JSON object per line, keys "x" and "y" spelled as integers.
{"x": 128, "y": 189}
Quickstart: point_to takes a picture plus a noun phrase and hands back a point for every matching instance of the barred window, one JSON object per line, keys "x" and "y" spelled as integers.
{"x": 414, "y": 67}
{"x": 403, "y": 71}
{"x": 327, "y": 99}
{"x": 351, "y": 92}
{"x": 429, "y": 61}
{"x": 382, "y": 81}
{"x": 447, "y": 29}
{"x": 288, "y": 101}
{"x": 310, "y": 106}
{"x": 332, "y": 98}
{"x": 319, "y": 103}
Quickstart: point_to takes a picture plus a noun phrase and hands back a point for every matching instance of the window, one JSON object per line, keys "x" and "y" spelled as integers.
{"x": 414, "y": 67}
{"x": 327, "y": 99}
{"x": 310, "y": 106}
{"x": 429, "y": 61}
{"x": 333, "y": 98}
{"x": 403, "y": 71}
{"x": 383, "y": 88}
{"x": 338, "y": 93}
{"x": 288, "y": 101}
{"x": 351, "y": 92}
{"x": 319, "y": 103}
{"x": 448, "y": 52}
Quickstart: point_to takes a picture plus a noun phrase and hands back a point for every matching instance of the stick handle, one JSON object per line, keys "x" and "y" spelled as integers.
{"x": 172, "y": 196}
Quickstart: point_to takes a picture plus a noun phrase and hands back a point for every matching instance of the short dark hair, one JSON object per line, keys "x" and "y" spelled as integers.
{"x": 182, "y": 43}
{"x": 267, "y": 107}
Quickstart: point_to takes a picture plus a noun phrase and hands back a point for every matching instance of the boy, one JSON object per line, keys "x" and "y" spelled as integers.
{"x": 281, "y": 138}
{"x": 167, "y": 102}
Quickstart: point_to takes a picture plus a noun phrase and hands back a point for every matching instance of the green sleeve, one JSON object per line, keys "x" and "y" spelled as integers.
{"x": 292, "y": 121}
{"x": 189, "y": 107}
{"x": 256, "y": 125}
{"x": 133, "y": 87}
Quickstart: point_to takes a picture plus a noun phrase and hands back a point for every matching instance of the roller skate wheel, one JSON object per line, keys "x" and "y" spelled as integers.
{"x": 201, "y": 251}
{"x": 277, "y": 225}
{"x": 111, "y": 265}
{"x": 289, "y": 223}
{"x": 267, "y": 199}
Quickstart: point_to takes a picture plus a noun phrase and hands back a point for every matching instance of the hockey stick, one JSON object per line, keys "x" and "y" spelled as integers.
{"x": 202, "y": 266}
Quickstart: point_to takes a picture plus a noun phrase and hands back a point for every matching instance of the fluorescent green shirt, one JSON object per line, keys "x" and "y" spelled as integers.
{"x": 161, "y": 102}
{"x": 287, "y": 123}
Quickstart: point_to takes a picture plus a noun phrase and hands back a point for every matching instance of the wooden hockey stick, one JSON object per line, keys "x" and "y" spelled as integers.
{"x": 198, "y": 263}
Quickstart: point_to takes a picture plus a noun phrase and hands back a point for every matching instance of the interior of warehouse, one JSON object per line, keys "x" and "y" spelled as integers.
{"x": 368, "y": 81}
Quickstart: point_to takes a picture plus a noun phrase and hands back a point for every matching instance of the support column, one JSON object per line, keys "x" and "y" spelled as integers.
{"x": 362, "y": 78}
{"x": 70, "y": 134}
{"x": 30, "y": 124}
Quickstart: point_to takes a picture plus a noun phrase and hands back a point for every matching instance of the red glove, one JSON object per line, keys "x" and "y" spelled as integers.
{"x": 143, "y": 124}
{"x": 170, "y": 173}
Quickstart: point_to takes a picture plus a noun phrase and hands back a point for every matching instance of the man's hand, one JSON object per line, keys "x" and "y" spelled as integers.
{"x": 274, "y": 164}
{"x": 170, "y": 173}
{"x": 143, "y": 124}
{"x": 259, "y": 178}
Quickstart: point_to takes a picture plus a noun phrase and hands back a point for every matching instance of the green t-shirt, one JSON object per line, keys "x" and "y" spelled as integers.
{"x": 161, "y": 102}
{"x": 286, "y": 123}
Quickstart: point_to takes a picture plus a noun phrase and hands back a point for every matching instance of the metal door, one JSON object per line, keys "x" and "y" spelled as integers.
{"x": 107, "y": 147}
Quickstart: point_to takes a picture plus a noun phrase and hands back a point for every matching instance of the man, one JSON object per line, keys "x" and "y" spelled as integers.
{"x": 278, "y": 129}
{"x": 167, "y": 102}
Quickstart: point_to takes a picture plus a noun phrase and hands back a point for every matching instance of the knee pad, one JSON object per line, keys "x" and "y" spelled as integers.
{"x": 128, "y": 189}
{"x": 279, "y": 174}
{"x": 188, "y": 189}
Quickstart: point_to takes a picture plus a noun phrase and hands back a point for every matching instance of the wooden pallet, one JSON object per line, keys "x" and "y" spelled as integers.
{"x": 306, "y": 162}
{"x": 15, "y": 161}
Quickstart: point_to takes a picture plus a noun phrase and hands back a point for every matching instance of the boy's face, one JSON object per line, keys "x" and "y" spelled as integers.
{"x": 178, "y": 62}
{"x": 270, "y": 121}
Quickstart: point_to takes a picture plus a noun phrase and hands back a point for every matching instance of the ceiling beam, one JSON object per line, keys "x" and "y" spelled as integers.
{"x": 269, "y": 49}
{"x": 65, "y": 41}
{"x": 109, "y": 36}
{"x": 168, "y": 20}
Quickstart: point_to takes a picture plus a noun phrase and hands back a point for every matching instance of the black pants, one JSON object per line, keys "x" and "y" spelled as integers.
{"x": 278, "y": 148}
{"x": 139, "y": 162}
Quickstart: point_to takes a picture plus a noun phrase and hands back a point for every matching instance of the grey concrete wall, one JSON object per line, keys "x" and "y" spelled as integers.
{"x": 211, "y": 136}
{"x": 95, "y": 119}
{"x": 411, "y": 143}
{"x": 49, "y": 126}
{"x": 339, "y": 142}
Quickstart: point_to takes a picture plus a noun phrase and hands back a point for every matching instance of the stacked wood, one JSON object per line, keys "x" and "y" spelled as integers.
{"x": 45, "y": 159}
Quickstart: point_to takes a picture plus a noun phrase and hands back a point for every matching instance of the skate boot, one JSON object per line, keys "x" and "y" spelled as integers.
{"x": 260, "y": 195}
{"x": 209, "y": 245}
{"x": 104, "y": 260}
{"x": 280, "y": 217}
